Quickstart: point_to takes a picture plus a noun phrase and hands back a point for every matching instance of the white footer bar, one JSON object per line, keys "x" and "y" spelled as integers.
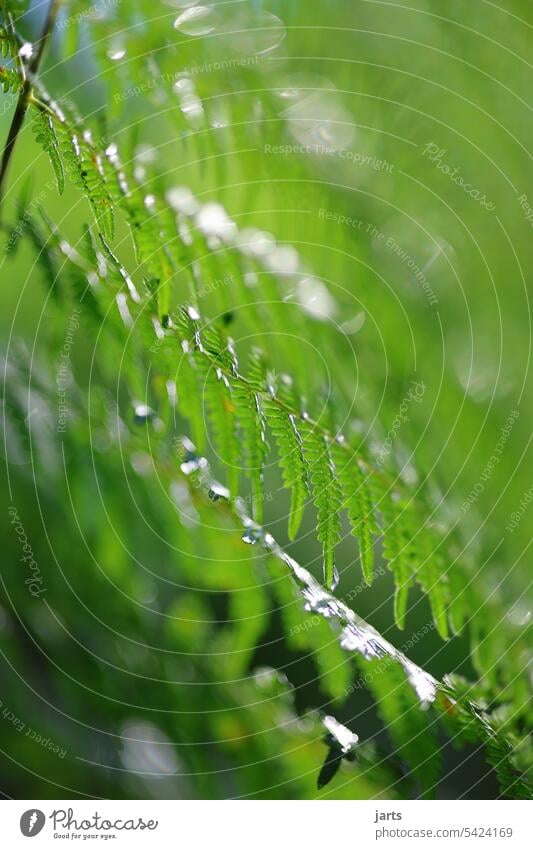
{"x": 266, "y": 824}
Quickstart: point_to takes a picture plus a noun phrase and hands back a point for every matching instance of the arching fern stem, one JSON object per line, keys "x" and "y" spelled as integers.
{"x": 26, "y": 90}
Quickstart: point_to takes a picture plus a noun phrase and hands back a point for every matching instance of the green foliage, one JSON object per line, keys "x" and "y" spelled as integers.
{"x": 327, "y": 497}
{"x": 411, "y": 729}
{"x": 157, "y": 317}
{"x": 294, "y": 467}
{"x": 354, "y": 479}
{"x": 45, "y": 135}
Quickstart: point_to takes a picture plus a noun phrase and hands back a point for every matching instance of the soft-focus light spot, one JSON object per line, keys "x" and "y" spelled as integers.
{"x": 213, "y": 220}
{"x": 283, "y": 259}
{"x": 26, "y": 50}
{"x": 318, "y": 120}
{"x": 354, "y": 325}
{"x": 196, "y": 20}
{"x": 256, "y": 242}
{"x": 142, "y": 463}
{"x": 146, "y": 749}
{"x": 181, "y": 199}
{"x": 519, "y": 614}
{"x": 146, "y": 154}
{"x": 315, "y": 298}
{"x": 242, "y": 29}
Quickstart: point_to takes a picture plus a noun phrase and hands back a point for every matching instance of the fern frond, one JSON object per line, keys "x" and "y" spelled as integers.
{"x": 10, "y": 79}
{"x": 252, "y": 423}
{"x": 84, "y": 167}
{"x": 396, "y": 541}
{"x": 45, "y": 135}
{"x": 433, "y": 580}
{"x": 212, "y": 234}
{"x": 291, "y": 459}
{"x": 217, "y": 394}
{"x": 327, "y": 497}
{"x": 469, "y": 723}
{"x": 358, "y": 502}
{"x": 150, "y": 245}
{"x": 355, "y": 638}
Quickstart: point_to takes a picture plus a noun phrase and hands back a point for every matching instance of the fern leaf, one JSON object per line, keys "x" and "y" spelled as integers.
{"x": 45, "y": 135}
{"x": 433, "y": 581}
{"x": 150, "y": 246}
{"x": 217, "y": 393}
{"x": 394, "y": 546}
{"x": 254, "y": 446}
{"x": 189, "y": 398}
{"x": 468, "y": 723}
{"x": 294, "y": 468}
{"x": 327, "y": 497}
{"x": 10, "y": 79}
{"x": 359, "y": 505}
{"x": 84, "y": 167}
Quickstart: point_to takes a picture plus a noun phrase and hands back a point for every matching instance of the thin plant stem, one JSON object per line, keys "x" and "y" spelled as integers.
{"x": 25, "y": 94}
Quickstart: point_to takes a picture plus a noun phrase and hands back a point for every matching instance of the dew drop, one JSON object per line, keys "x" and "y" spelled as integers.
{"x": 335, "y": 580}
{"x": 218, "y": 492}
{"x": 26, "y": 50}
{"x": 116, "y": 52}
{"x": 345, "y": 739}
{"x": 251, "y": 536}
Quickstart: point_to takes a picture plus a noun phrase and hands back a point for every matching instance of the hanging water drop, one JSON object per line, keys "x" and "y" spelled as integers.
{"x": 334, "y": 580}
{"x": 251, "y": 536}
{"x": 218, "y": 492}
